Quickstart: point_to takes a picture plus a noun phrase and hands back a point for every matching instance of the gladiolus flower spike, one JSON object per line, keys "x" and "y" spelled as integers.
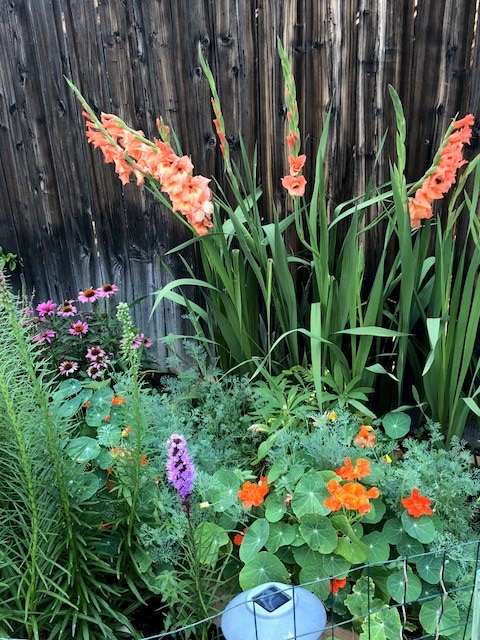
{"x": 133, "y": 154}
{"x": 294, "y": 183}
{"x": 440, "y": 178}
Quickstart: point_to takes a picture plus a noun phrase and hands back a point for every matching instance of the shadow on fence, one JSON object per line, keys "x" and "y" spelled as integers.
{"x": 438, "y": 612}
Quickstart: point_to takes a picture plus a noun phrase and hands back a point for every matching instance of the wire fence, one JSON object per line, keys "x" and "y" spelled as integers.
{"x": 448, "y": 606}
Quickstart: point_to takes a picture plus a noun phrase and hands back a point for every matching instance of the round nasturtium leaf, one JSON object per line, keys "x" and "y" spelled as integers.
{"x": 224, "y": 489}
{"x": 280, "y": 535}
{"x": 265, "y": 567}
{"x": 309, "y": 495}
{"x": 440, "y": 616}
{"x": 422, "y": 528}
{"x": 69, "y": 407}
{"x": 305, "y": 556}
{"x": 315, "y": 580}
{"x": 408, "y": 547}
{"x": 404, "y": 591}
{"x": 336, "y": 566}
{"x": 275, "y": 508}
{"x": 86, "y": 488}
{"x": 254, "y": 539}
{"x": 318, "y": 533}
{"x": 100, "y": 407}
{"x": 396, "y": 424}
{"x": 393, "y": 530}
{"x": 67, "y": 389}
{"x": 298, "y": 540}
{"x": 379, "y": 547}
{"x": 83, "y": 449}
{"x": 429, "y": 568}
{"x": 376, "y": 513}
{"x": 209, "y": 538}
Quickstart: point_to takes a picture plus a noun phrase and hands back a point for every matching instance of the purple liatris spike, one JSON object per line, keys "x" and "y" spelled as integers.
{"x": 180, "y": 469}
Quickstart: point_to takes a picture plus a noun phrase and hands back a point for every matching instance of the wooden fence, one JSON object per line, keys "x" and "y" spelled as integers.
{"x": 66, "y": 214}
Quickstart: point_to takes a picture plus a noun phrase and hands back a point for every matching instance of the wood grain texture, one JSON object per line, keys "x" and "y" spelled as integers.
{"x": 64, "y": 211}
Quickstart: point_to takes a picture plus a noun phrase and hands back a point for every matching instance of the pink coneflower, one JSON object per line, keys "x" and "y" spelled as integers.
{"x": 68, "y": 367}
{"x": 45, "y": 336}
{"x": 78, "y": 328}
{"x": 93, "y": 371}
{"x": 141, "y": 341}
{"x": 106, "y": 290}
{"x": 46, "y": 308}
{"x": 66, "y": 309}
{"x": 95, "y": 354}
{"x": 88, "y": 295}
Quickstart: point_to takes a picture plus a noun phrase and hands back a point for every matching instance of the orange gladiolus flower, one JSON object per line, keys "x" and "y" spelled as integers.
{"x": 295, "y": 185}
{"x": 291, "y": 139}
{"x": 417, "y": 505}
{"x": 350, "y": 472}
{"x": 337, "y": 584}
{"x": 133, "y": 155}
{"x": 365, "y": 437}
{"x": 296, "y": 164}
{"x": 251, "y": 494}
{"x": 467, "y": 121}
{"x": 443, "y": 177}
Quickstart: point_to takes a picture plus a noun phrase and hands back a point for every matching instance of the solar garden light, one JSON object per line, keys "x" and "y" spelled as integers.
{"x": 274, "y": 611}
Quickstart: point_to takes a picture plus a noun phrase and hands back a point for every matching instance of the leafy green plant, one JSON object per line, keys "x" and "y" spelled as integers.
{"x": 8, "y": 260}
{"x": 55, "y": 580}
{"x": 82, "y": 342}
{"x": 358, "y": 554}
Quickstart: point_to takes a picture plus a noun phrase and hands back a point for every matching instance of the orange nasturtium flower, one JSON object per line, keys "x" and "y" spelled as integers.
{"x": 238, "y": 538}
{"x": 365, "y": 437}
{"x": 351, "y": 495}
{"x": 143, "y": 461}
{"x": 417, "y": 505}
{"x": 337, "y": 584}
{"x": 350, "y": 472}
{"x": 116, "y": 400}
{"x": 251, "y": 494}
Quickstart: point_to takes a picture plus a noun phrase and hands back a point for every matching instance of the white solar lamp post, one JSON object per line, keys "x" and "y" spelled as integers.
{"x": 274, "y": 611}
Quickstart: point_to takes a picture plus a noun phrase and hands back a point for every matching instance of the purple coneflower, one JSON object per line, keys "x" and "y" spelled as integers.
{"x": 141, "y": 341}
{"x": 45, "y": 336}
{"x": 46, "y": 308}
{"x": 95, "y": 354}
{"x": 67, "y": 309}
{"x": 88, "y": 295}
{"x": 93, "y": 371}
{"x": 78, "y": 328}
{"x": 68, "y": 367}
{"x": 106, "y": 290}
{"x": 180, "y": 470}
